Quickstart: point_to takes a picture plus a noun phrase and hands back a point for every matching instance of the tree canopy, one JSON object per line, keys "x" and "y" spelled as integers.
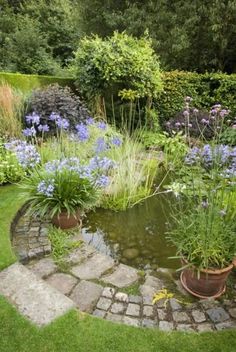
{"x": 187, "y": 35}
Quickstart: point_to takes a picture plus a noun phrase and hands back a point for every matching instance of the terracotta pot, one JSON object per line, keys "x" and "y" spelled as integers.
{"x": 206, "y": 283}
{"x": 63, "y": 221}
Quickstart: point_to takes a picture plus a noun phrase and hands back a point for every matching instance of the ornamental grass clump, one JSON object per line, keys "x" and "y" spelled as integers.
{"x": 132, "y": 180}
{"x": 204, "y": 229}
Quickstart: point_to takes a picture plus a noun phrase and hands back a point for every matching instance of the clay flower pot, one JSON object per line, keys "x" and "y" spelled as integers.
{"x": 206, "y": 283}
{"x": 65, "y": 221}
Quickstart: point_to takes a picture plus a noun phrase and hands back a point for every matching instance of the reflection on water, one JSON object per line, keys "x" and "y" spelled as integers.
{"x": 135, "y": 236}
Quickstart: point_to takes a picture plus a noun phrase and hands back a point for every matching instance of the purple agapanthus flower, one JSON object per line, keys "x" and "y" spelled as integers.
{"x": 98, "y": 163}
{"x": 62, "y": 123}
{"x": 102, "y": 181}
{"x": 116, "y": 141}
{"x": 46, "y": 188}
{"x": 54, "y": 116}
{"x": 34, "y": 118}
{"x": 26, "y": 154}
{"x": 43, "y": 128}
{"x": 102, "y": 125}
{"x": 90, "y": 121}
{"x": 100, "y": 145}
{"x": 29, "y": 132}
{"x": 82, "y": 132}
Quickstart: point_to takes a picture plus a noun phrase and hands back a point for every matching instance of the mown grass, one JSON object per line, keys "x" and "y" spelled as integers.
{"x": 10, "y": 201}
{"x": 81, "y": 333}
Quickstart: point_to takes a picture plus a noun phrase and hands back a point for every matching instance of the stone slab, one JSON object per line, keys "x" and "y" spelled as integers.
{"x": 94, "y": 267}
{"x": 85, "y": 295}
{"x": 198, "y": 316}
{"x": 218, "y": 314}
{"x": 33, "y": 297}
{"x": 131, "y": 321}
{"x": 180, "y": 317}
{"x": 104, "y": 303}
{"x": 133, "y": 310}
{"x": 78, "y": 255}
{"x": 43, "y": 268}
{"x": 108, "y": 292}
{"x": 204, "y": 327}
{"x": 118, "y": 308}
{"x": 166, "y": 325}
{"x": 123, "y": 276}
{"x": 122, "y": 297}
{"x": 62, "y": 282}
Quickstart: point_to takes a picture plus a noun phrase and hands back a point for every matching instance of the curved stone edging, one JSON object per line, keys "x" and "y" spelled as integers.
{"x": 96, "y": 284}
{"x": 29, "y": 236}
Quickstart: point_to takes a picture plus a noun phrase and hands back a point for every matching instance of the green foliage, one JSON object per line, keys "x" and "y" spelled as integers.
{"x": 228, "y": 136}
{"x": 26, "y": 83}
{"x": 62, "y": 244}
{"x": 38, "y": 37}
{"x": 132, "y": 179}
{"x": 10, "y": 170}
{"x": 190, "y": 35}
{"x": 205, "y": 89}
{"x": 119, "y": 59}
{"x": 63, "y": 190}
{"x": 201, "y": 234}
{"x": 174, "y": 148}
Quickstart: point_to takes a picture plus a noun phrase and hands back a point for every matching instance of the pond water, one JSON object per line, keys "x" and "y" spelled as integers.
{"x": 136, "y": 236}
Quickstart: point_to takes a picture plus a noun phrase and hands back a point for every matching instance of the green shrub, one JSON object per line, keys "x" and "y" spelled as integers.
{"x": 122, "y": 63}
{"x": 205, "y": 89}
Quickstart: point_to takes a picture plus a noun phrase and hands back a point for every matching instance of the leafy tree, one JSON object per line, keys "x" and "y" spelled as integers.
{"x": 26, "y": 49}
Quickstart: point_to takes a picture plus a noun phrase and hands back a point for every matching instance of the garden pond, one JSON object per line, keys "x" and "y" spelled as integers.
{"x": 136, "y": 236}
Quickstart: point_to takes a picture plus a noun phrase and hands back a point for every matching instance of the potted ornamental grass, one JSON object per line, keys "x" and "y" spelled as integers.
{"x": 62, "y": 189}
{"x": 204, "y": 233}
{"x": 204, "y": 218}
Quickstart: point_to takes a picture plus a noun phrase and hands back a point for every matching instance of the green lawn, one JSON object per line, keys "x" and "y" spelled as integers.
{"x": 81, "y": 333}
{"x": 10, "y": 202}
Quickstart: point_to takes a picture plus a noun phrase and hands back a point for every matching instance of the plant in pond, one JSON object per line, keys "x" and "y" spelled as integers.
{"x": 62, "y": 244}
{"x": 132, "y": 180}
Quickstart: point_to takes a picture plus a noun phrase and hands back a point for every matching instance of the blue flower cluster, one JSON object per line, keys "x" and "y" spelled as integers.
{"x": 82, "y": 132}
{"x": 26, "y": 154}
{"x": 33, "y": 121}
{"x": 96, "y": 171}
{"x": 46, "y": 188}
{"x": 220, "y": 155}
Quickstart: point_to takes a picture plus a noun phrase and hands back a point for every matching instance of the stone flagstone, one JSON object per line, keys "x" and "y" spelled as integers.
{"x": 32, "y": 296}
{"x": 123, "y": 276}
{"x": 85, "y": 295}
{"x": 43, "y": 268}
{"x": 62, "y": 282}
{"x": 94, "y": 267}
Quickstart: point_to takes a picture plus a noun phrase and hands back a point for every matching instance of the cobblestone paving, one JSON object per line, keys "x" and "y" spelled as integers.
{"x": 95, "y": 283}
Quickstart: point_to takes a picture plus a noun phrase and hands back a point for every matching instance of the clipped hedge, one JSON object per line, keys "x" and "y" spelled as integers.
{"x": 205, "y": 89}
{"x": 27, "y": 83}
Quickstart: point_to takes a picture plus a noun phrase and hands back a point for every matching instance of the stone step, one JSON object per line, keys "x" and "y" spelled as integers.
{"x": 33, "y": 297}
